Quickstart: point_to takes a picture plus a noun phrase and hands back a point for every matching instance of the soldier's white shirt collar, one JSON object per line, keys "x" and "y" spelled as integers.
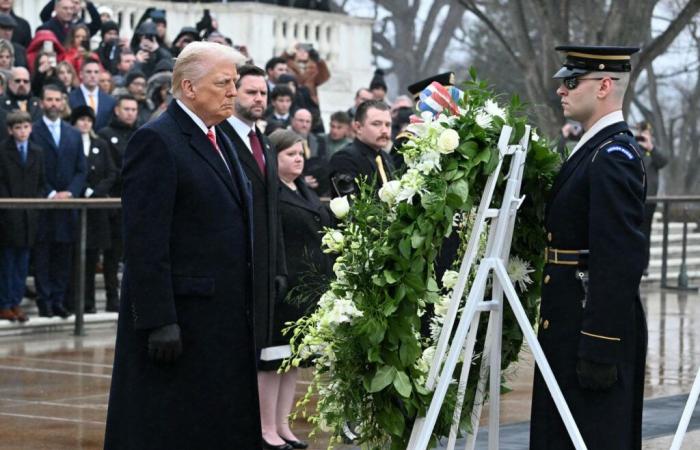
{"x": 605, "y": 121}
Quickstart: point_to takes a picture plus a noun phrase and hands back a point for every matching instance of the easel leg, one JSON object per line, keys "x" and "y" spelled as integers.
{"x": 540, "y": 357}
{"x": 687, "y": 414}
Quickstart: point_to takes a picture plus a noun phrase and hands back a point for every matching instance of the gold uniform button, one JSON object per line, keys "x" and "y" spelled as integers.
{"x": 546, "y": 279}
{"x": 549, "y": 237}
{"x": 545, "y": 325}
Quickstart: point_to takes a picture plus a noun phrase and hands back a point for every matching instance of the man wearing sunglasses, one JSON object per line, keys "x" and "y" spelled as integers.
{"x": 592, "y": 327}
{"x": 19, "y": 94}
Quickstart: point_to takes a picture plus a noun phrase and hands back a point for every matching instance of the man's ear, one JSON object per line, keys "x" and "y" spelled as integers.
{"x": 188, "y": 89}
{"x": 356, "y": 126}
{"x": 606, "y": 88}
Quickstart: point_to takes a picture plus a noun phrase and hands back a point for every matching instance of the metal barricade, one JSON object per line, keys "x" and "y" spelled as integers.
{"x": 666, "y": 201}
{"x": 82, "y": 205}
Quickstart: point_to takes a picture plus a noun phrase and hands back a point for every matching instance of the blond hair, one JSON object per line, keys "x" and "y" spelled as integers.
{"x": 195, "y": 61}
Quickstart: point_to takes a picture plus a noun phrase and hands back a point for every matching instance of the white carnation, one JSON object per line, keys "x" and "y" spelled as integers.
{"x": 534, "y": 136}
{"x": 340, "y": 206}
{"x": 389, "y": 191}
{"x": 344, "y": 310}
{"x": 428, "y": 162}
{"x": 519, "y": 272}
{"x": 448, "y": 141}
{"x": 334, "y": 241}
{"x": 412, "y": 182}
{"x": 493, "y": 109}
{"x": 449, "y": 279}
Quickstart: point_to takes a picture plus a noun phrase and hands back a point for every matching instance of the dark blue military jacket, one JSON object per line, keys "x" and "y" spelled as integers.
{"x": 596, "y": 204}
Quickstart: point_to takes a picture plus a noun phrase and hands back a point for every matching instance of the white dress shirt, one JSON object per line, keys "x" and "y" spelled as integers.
{"x": 605, "y": 121}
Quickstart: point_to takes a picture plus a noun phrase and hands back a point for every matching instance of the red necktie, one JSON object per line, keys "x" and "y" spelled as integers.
{"x": 257, "y": 151}
{"x": 212, "y": 139}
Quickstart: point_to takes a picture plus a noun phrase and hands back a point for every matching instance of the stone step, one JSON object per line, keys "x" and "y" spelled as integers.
{"x": 675, "y": 250}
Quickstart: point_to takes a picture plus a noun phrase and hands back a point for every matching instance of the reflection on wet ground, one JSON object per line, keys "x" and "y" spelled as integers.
{"x": 54, "y": 387}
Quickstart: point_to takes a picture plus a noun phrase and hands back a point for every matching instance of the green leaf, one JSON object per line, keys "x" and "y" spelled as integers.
{"x": 403, "y": 384}
{"x": 417, "y": 240}
{"x": 460, "y": 188}
{"x": 382, "y": 378}
{"x": 373, "y": 356}
{"x": 375, "y": 331}
{"x": 391, "y": 419}
{"x": 405, "y": 248}
{"x": 432, "y": 285}
{"x": 483, "y": 156}
{"x": 390, "y": 276}
{"x": 468, "y": 149}
{"x": 409, "y": 351}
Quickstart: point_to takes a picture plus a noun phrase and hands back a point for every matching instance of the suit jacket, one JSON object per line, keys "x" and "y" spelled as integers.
{"x": 20, "y": 180}
{"x": 105, "y": 106}
{"x": 596, "y": 204}
{"x": 9, "y": 103}
{"x": 64, "y": 170}
{"x": 101, "y": 176}
{"x": 188, "y": 250}
{"x": 268, "y": 258}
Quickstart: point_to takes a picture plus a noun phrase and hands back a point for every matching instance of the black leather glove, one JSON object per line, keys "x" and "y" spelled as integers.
{"x": 280, "y": 287}
{"x": 313, "y": 55}
{"x": 165, "y": 344}
{"x": 595, "y": 376}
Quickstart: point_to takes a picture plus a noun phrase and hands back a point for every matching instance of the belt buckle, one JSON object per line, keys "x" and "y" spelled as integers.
{"x": 556, "y": 256}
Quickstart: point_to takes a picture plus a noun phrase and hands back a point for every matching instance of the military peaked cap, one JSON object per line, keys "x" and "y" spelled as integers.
{"x": 582, "y": 59}
{"x": 445, "y": 79}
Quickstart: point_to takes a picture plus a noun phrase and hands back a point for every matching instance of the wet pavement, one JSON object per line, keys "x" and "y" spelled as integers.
{"x": 54, "y": 386}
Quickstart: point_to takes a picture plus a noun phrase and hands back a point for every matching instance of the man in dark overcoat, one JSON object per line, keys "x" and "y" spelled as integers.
{"x": 592, "y": 327}
{"x": 365, "y": 157}
{"x": 117, "y": 134}
{"x": 260, "y": 165}
{"x": 65, "y": 172}
{"x": 184, "y": 372}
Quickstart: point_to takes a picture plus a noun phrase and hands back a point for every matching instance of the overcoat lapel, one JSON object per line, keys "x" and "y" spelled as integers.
{"x": 244, "y": 155}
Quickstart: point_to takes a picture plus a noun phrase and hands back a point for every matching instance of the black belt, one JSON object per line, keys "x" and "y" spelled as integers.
{"x": 565, "y": 257}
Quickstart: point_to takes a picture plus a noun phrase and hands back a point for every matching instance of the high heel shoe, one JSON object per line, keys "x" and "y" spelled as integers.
{"x": 268, "y": 446}
{"x": 296, "y": 444}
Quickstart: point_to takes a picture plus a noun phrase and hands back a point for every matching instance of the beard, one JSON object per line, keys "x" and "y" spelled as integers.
{"x": 246, "y": 113}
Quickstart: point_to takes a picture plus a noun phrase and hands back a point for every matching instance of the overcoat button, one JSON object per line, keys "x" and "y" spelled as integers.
{"x": 546, "y": 279}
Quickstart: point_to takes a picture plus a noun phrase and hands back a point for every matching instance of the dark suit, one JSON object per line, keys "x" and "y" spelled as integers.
{"x": 269, "y": 246}
{"x": 65, "y": 170}
{"x": 596, "y": 204}
{"x": 105, "y": 106}
{"x": 357, "y": 160}
{"x": 188, "y": 251}
{"x": 18, "y": 179}
{"x": 23, "y": 32}
{"x": 9, "y": 102}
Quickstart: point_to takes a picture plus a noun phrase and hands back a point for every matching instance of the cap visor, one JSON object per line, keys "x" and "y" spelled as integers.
{"x": 565, "y": 72}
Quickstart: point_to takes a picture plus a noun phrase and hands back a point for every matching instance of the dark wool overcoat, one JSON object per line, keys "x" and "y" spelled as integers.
{"x": 596, "y": 204}
{"x": 188, "y": 254}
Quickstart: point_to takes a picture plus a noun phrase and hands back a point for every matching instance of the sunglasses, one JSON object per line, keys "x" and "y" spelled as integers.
{"x": 572, "y": 83}
{"x": 20, "y": 81}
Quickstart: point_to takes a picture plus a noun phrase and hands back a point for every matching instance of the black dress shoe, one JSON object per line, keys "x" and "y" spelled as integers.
{"x": 267, "y": 446}
{"x": 44, "y": 310}
{"x": 60, "y": 311}
{"x": 296, "y": 444}
{"x": 90, "y": 310}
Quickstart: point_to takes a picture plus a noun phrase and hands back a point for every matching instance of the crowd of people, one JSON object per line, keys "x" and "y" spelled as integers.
{"x": 74, "y": 91}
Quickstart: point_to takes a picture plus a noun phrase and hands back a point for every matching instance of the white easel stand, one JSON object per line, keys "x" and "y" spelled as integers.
{"x": 687, "y": 414}
{"x": 493, "y": 263}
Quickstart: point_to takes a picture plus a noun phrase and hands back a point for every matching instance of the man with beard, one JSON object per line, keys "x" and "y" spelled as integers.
{"x": 19, "y": 94}
{"x": 117, "y": 134}
{"x": 366, "y": 156}
{"x": 65, "y": 173}
{"x": 260, "y": 165}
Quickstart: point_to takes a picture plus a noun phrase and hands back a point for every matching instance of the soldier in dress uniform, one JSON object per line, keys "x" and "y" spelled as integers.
{"x": 592, "y": 327}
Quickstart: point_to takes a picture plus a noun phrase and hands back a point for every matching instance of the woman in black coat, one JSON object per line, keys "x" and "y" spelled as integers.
{"x": 303, "y": 218}
{"x": 101, "y": 176}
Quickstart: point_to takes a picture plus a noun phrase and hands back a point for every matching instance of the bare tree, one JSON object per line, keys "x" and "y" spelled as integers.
{"x": 528, "y": 31}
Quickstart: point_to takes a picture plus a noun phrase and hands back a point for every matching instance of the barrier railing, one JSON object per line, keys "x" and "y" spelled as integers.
{"x": 82, "y": 205}
{"x": 666, "y": 202}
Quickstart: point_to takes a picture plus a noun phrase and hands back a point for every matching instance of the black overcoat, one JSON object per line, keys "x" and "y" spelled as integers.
{"x": 596, "y": 203}
{"x": 188, "y": 251}
{"x": 303, "y": 218}
{"x": 101, "y": 176}
{"x": 268, "y": 260}
{"x": 359, "y": 160}
{"x": 18, "y": 227}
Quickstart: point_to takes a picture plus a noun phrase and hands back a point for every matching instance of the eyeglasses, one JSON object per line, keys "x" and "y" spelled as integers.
{"x": 20, "y": 81}
{"x": 572, "y": 83}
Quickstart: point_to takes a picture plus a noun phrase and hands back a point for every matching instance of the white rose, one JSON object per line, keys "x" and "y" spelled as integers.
{"x": 493, "y": 109}
{"x": 340, "y": 206}
{"x": 448, "y": 141}
{"x": 483, "y": 120}
{"x": 389, "y": 191}
{"x": 449, "y": 279}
